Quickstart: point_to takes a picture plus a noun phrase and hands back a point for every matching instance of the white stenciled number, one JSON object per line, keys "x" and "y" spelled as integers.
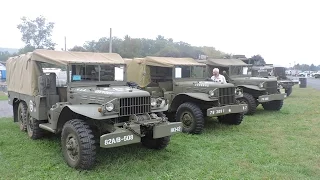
{"x": 128, "y": 138}
{"x": 219, "y": 111}
{"x": 176, "y": 129}
{"x": 118, "y": 140}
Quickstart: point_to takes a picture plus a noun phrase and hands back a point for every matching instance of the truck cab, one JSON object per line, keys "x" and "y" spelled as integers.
{"x": 190, "y": 96}
{"x": 256, "y": 90}
{"x": 95, "y": 106}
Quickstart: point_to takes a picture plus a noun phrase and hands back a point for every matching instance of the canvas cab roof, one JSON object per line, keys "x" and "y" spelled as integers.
{"x": 168, "y": 61}
{"x": 65, "y": 57}
{"x": 226, "y": 62}
{"x": 23, "y": 71}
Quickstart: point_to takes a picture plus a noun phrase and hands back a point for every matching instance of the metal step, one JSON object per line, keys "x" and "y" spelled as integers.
{"x": 47, "y": 126}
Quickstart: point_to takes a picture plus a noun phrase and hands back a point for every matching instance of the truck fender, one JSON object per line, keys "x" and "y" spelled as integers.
{"x": 183, "y": 97}
{"x": 200, "y": 96}
{"x": 90, "y": 111}
{"x": 253, "y": 87}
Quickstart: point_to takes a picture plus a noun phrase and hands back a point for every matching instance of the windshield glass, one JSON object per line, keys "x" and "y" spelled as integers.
{"x": 240, "y": 71}
{"x": 84, "y": 72}
{"x": 190, "y": 72}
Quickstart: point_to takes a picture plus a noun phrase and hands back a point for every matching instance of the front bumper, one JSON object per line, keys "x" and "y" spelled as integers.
{"x": 272, "y": 97}
{"x": 132, "y": 134}
{"x": 228, "y": 109}
{"x": 296, "y": 81}
{"x": 286, "y": 85}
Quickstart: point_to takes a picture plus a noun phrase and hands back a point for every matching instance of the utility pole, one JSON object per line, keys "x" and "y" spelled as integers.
{"x": 65, "y": 43}
{"x": 110, "y": 40}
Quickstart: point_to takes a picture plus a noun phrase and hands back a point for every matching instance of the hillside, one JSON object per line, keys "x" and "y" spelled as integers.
{"x": 10, "y": 50}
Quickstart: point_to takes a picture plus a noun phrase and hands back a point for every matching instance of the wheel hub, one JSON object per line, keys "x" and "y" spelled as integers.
{"x": 72, "y": 147}
{"x": 187, "y": 119}
{"x": 30, "y": 123}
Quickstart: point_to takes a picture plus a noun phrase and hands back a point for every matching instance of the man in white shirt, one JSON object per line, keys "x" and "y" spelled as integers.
{"x": 218, "y": 77}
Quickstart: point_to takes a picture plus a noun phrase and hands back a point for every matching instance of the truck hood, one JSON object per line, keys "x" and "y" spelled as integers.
{"x": 111, "y": 92}
{"x": 253, "y": 80}
{"x": 204, "y": 84}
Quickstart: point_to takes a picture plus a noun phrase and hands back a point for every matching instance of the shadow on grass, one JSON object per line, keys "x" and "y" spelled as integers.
{"x": 105, "y": 158}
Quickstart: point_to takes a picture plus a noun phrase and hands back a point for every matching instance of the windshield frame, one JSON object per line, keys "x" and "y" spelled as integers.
{"x": 188, "y": 78}
{"x": 76, "y": 83}
{"x": 240, "y": 75}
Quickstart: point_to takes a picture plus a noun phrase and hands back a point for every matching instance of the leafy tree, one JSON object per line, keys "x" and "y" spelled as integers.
{"x": 4, "y": 55}
{"x": 140, "y": 47}
{"x": 36, "y": 33}
{"x": 168, "y": 51}
{"x": 26, "y": 49}
{"x": 256, "y": 60}
{"x": 78, "y": 48}
{"x": 313, "y": 67}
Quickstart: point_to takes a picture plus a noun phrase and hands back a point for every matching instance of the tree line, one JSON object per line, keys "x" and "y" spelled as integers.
{"x": 36, "y": 34}
{"x": 129, "y": 47}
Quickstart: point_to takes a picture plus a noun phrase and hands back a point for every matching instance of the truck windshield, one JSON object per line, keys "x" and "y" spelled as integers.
{"x": 189, "y": 72}
{"x": 84, "y": 72}
{"x": 240, "y": 71}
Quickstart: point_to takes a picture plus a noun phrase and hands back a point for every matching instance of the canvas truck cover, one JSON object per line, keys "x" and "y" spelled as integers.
{"x": 138, "y": 69}
{"x": 65, "y": 57}
{"x": 226, "y": 62}
{"x": 23, "y": 71}
{"x": 22, "y": 75}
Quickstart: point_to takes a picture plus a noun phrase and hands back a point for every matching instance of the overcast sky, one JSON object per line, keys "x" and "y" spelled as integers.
{"x": 283, "y": 32}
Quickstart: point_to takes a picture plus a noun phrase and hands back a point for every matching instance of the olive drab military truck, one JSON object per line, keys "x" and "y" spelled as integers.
{"x": 256, "y": 90}
{"x": 278, "y": 72}
{"x": 95, "y": 107}
{"x": 181, "y": 81}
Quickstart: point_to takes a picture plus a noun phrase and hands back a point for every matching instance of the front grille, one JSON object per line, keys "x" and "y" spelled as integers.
{"x": 227, "y": 96}
{"x": 135, "y": 105}
{"x": 271, "y": 87}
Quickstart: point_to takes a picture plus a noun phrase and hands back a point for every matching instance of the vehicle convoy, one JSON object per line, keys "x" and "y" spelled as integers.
{"x": 256, "y": 90}
{"x": 183, "y": 83}
{"x": 278, "y": 72}
{"x": 96, "y": 107}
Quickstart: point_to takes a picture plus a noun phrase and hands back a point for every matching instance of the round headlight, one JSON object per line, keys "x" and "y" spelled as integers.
{"x": 211, "y": 93}
{"x": 109, "y": 107}
{"x": 153, "y": 101}
{"x": 261, "y": 85}
{"x": 238, "y": 92}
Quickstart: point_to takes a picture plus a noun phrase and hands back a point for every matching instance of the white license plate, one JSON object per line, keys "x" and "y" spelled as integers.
{"x": 218, "y": 111}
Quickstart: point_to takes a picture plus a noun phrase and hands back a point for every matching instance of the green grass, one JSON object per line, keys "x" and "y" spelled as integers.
{"x": 268, "y": 145}
{"x": 3, "y": 96}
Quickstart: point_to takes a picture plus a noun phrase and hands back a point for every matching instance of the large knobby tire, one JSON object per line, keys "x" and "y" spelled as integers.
{"x": 22, "y": 115}
{"x": 159, "y": 143}
{"x": 233, "y": 119}
{"x": 78, "y": 144}
{"x": 273, "y": 105}
{"x": 33, "y": 129}
{"x": 250, "y": 101}
{"x": 191, "y": 117}
{"x": 288, "y": 91}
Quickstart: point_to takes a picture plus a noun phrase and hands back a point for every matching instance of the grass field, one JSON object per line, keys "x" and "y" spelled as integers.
{"x": 3, "y": 96}
{"x": 268, "y": 145}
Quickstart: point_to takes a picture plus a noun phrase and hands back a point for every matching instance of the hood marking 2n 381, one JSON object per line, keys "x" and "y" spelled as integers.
{"x": 81, "y": 89}
{"x": 103, "y": 92}
{"x": 118, "y": 89}
{"x": 202, "y": 84}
